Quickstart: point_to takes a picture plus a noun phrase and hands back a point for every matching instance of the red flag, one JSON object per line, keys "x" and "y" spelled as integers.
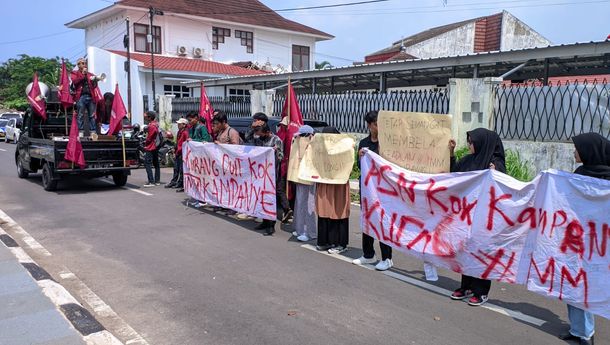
{"x": 64, "y": 88}
{"x": 36, "y": 100}
{"x": 74, "y": 150}
{"x": 119, "y": 112}
{"x": 205, "y": 109}
{"x": 291, "y": 108}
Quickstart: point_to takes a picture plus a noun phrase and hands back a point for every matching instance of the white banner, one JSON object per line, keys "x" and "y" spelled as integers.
{"x": 550, "y": 234}
{"x": 241, "y": 178}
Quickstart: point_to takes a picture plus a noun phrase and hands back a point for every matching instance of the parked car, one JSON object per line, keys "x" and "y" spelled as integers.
{"x": 243, "y": 124}
{"x": 7, "y": 116}
{"x": 3, "y": 123}
{"x": 13, "y": 130}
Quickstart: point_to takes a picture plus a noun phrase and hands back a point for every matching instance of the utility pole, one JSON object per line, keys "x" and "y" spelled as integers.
{"x": 152, "y": 12}
{"x": 126, "y": 43}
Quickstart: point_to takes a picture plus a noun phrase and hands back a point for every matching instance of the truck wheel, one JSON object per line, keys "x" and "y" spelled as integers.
{"x": 120, "y": 179}
{"x": 21, "y": 172}
{"x": 47, "y": 178}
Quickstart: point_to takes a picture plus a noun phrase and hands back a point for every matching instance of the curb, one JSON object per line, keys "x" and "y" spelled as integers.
{"x": 92, "y": 331}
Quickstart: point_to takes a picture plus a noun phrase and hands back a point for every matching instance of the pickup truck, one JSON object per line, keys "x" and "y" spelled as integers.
{"x": 42, "y": 146}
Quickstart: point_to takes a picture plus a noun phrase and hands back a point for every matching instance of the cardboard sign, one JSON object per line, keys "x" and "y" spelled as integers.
{"x": 329, "y": 159}
{"x": 297, "y": 153}
{"x": 241, "y": 178}
{"x": 549, "y": 234}
{"x": 415, "y": 141}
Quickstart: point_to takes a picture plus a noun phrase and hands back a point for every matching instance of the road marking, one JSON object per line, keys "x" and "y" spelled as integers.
{"x": 436, "y": 289}
{"x": 3, "y": 150}
{"x": 7, "y": 222}
{"x": 128, "y": 188}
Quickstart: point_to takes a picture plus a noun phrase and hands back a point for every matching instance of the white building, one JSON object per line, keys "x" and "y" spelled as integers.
{"x": 192, "y": 40}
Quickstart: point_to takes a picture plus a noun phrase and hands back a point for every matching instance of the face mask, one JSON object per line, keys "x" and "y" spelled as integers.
{"x": 256, "y": 136}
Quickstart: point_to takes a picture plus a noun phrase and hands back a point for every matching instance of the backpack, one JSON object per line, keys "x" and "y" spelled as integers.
{"x": 160, "y": 139}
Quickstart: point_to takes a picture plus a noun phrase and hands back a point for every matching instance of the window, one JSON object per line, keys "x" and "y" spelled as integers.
{"x": 218, "y": 36}
{"x": 141, "y": 43}
{"x": 300, "y": 58}
{"x": 179, "y": 91}
{"x": 238, "y": 95}
{"x": 246, "y": 40}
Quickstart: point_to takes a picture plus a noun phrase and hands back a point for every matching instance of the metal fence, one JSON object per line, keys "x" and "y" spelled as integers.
{"x": 346, "y": 111}
{"x": 232, "y": 106}
{"x": 552, "y": 113}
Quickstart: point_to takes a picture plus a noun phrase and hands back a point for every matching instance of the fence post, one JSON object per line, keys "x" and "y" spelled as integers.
{"x": 471, "y": 102}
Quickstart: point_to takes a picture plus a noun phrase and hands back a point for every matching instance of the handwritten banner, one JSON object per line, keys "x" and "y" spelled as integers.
{"x": 241, "y": 178}
{"x": 297, "y": 153}
{"x": 415, "y": 141}
{"x": 329, "y": 159}
{"x": 550, "y": 234}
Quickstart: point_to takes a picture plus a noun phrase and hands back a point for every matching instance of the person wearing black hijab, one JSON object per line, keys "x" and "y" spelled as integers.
{"x": 486, "y": 152}
{"x": 593, "y": 151}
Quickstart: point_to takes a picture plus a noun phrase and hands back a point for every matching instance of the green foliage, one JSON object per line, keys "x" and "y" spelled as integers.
{"x": 515, "y": 166}
{"x": 355, "y": 170}
{"x": 323, "y": 65}
{"x": 17, "y": 73}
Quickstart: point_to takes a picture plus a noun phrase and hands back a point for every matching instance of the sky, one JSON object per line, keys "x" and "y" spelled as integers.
{"x": 358, "y": 30}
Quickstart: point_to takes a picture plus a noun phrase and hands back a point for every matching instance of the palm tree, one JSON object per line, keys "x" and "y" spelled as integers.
{"x": 323, "y": 65}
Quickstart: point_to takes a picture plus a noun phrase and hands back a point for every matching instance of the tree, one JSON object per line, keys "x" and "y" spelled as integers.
{"x": 323, "y": 65}
{"x": 17, "y": 73}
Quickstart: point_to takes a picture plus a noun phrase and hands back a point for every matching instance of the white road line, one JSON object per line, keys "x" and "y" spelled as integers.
{"x": 9, "y": 223}
{"x": 439, "y": 290}
{"x": 128, "y": 188}
{"x": 3, "y": 150}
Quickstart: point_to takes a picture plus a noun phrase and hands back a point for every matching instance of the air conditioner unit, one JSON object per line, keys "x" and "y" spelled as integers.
{"x": 181, "y": 50}
{"x": 197, "y": 52}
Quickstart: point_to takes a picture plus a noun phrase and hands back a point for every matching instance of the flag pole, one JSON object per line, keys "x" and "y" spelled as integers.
{"x": 289, "y": 103}
{"x": 123, "y": 143}
{"x": 66, "y": 119}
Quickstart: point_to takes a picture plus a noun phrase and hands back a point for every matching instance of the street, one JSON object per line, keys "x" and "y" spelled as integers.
{"x": 179, "y": 275}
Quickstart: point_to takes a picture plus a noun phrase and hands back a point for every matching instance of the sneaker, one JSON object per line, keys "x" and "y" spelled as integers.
{"x": 157, "y": 183}
{"x": 476, "y": 301}
{"x": 286, "y": 216}
{"x": 220, "y": 211}
{"x": 259, "y": 220}
{"x": 148, "y": 185}
{"x": 460, "y": 294}
{"x": 384, "y": 265}
{"x": 295, "y": 234}
{"x": 270, "y": 231}
{"x": 337, "y": 250}
{"x": 323, "y": 248}
{"x": 170, "y": 185}
{"x": 180, "y": 190}
{"x": 261, "y": 227}
{"x": 362, "y": 260}
{"x": 243, "y": 216}
{"x": 303, "y": 238}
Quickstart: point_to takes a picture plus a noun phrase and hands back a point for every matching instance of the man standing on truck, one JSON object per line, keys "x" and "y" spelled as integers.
{"x": 84, "y": 83}
{"x": 151, "y": 154}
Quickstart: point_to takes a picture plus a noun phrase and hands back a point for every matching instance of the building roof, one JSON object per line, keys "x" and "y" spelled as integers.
{"x": 251, "y": 12}
{"x": 190, "y": 65}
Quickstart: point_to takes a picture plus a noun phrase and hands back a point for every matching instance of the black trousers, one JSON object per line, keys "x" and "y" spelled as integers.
{"x": 478, "y": 286}
{"x": 369, "y": 251}
{"x": 333, "y": 232}
{"x": 178, "y": 177}
{"x": 282, "y": 197}
{"x": 151, "y": 159}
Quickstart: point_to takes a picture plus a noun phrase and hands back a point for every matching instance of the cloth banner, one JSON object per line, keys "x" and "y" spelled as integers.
{"x": 550, "y": 234}
{"x": 415, "y": 141}
{"x": 241, "y": 178}
{"x": 297, "y": 153}
{"x": 329, "y": 159}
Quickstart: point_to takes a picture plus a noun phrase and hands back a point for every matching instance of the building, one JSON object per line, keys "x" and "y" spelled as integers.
{"x": 192, "y": 40}
{"x": 498, "y": 32}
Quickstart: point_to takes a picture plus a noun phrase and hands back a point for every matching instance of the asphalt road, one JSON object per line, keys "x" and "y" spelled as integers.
{"x": 179, "y": 275}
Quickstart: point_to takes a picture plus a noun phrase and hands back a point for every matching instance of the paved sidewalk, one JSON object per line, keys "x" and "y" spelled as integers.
{"x": 27, "y": 316}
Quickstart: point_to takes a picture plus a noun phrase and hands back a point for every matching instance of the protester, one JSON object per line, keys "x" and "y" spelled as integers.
{"x": 283, "y": 184}
{"x": 104, "y": 111}
{"x": 486, "y": 152}
{"x": 593, "y": 151}
{"x": 265, "y": 138}
{"x": 196, "y": 130}
{"x": 181, "y": 137}
{"x": 258, "y": 120}
{"x": 333, "y": 208}
{"x": 151, "y": 155}
{"x": 304, "y": 221}
{"x": 224, "y": 133}
{"x": 368, "y": 257}
{"x": 84, "y": 84}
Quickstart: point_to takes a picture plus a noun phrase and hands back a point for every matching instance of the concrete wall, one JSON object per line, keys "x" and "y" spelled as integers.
{"x": 542, "y": 156}
{"x": 517, "y": 35}
{"x": 455, "y": 42}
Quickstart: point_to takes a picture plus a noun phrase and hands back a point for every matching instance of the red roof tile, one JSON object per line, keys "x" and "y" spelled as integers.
{"x": 191, "y": 65}
{"x": 251, "y": 12}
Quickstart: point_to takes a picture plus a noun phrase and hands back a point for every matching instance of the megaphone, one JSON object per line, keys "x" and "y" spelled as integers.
{"x": 101, "y": 77}
{"x": 44, "y": 89}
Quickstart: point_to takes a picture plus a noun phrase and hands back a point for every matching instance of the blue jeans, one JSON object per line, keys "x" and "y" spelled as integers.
{"x": 582, "y": 323}
{"x": 151, "y": 158}
{"x": 86, "y": 104}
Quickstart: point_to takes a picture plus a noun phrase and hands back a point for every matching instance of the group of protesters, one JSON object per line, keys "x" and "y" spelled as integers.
{"x": 321, "y": 211}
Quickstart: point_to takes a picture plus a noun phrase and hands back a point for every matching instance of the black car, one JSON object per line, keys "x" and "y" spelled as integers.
{"x": 243, "y": 124}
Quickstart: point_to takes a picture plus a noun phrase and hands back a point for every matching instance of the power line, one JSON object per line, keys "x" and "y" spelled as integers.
{"x": 346, "y": 4}
{"x": 35, "y": 38}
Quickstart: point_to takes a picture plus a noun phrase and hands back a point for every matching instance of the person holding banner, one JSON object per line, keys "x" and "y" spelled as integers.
{"x": 333, "y": 209}
{"x": 368, "y": 257}
{"x": 258, "y": 120}
{"x": 224, "y": 133}
{"x": 196, "y": 130}
{"x": 304, "y": 221}
{"x": 486, "y": 152}
{"x": 265, "y": 138}
{"x": 593, "y": 151}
